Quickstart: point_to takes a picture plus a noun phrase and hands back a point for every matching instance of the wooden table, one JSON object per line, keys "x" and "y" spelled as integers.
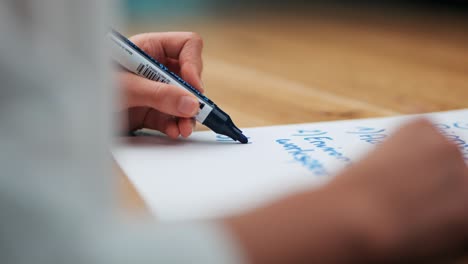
{"x": 277, "y": 69}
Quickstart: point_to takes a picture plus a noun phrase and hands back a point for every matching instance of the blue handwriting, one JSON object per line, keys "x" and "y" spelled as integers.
{"x": 302, "y": 156}
{"x": 445, "y": 130}
{"x": 370, "y": 135}
{"x": 319, "y": 140}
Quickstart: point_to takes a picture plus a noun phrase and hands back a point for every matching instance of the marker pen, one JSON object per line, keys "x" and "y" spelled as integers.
{"x": 137, "y": 61}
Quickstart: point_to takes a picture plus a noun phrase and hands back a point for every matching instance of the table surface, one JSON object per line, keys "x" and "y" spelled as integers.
{"x": 274, "y": 69}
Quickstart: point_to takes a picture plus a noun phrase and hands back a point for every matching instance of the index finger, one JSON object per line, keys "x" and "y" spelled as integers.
{"x": 186, "y": 48}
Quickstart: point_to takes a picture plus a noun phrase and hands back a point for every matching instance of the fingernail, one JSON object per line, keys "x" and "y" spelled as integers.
{"x": 188, "y": 105}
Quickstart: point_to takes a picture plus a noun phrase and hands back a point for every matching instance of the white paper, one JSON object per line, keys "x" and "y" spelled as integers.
{"x": 209, "y": 175}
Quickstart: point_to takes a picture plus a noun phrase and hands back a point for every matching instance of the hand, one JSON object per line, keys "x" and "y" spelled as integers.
{"x": 416, "y": 185}
{"x": 159, "y": 106}
{"x": 406, "y": 202}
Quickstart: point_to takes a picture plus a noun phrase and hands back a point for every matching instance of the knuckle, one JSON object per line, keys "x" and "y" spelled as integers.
{"x": 145, "y": 46}
{"x": 193, "y": 36}
{"x": 152, "y": 47}
{"x": 157, "y": 95}
{"x": 139, "y": 40}
{"x": 136, "y": 38}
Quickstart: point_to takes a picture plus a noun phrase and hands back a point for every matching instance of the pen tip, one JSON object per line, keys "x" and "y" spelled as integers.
{"x": 243, "y": 139}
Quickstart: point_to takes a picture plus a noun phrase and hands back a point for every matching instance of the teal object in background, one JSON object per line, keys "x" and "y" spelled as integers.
{"x": 157, "y": 9}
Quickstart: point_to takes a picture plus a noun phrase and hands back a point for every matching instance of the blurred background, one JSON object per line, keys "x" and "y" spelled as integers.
{"x": 150, "y": 9}
{"x": 278, "y": 62}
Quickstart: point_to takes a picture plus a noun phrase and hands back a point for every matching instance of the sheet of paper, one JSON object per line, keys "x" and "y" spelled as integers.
{"x": 209, "y": 175}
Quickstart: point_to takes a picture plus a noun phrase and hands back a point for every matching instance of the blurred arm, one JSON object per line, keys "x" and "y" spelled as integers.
{"x": 56, "y": 185}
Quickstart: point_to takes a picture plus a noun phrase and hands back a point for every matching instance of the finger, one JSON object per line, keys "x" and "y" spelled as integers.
{"x": 162, "y": 122}
{"x": 173, "y": 65}
{"x": 134, "y": 117}
{"x": 151, "y": 44}
{"x": 190, "y": 60}
{"x": 186, "y": 47}
{"x": 185, "y": 126}
{"x": 169, "y": 99}
{"x": 190, "y": 75}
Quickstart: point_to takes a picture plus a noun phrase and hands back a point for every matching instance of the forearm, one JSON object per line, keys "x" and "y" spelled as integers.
{"x": 312, "y": 227}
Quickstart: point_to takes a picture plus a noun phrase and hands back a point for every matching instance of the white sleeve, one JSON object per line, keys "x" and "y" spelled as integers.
{"x": 56, "y": 186}
{"x": 205, "y": 243}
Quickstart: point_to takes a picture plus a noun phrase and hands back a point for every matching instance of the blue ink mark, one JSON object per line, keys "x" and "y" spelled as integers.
{"x": 309, "y": 133}
{"x": 441, "y": 126}
{"x": 319, "y": 139}
{"x": 223, "y": 138}
{"x": 461, "y": 125}
{"x": 320, "y": 143}
{"x": 301, "y": 156}
{"x": 366, "y": 130}
{"x": 457, "y": 140}
{"x": 370, "y": 135}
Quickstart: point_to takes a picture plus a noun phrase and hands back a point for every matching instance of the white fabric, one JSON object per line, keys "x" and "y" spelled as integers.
{"x": 56, "y": 199}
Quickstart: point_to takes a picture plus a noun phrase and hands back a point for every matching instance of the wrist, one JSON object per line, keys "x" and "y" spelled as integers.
{"x": 370, "y": 223}
{"x": 320, "y": 226}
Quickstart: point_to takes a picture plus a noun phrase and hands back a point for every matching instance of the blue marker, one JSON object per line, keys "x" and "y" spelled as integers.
{"x": 137, "y": 61}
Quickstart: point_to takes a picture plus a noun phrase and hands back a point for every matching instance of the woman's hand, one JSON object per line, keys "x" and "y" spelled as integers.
{"x": 159, "y": 106}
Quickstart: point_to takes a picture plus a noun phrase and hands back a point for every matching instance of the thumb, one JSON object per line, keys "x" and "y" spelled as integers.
{"x": 168, "y": 99}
